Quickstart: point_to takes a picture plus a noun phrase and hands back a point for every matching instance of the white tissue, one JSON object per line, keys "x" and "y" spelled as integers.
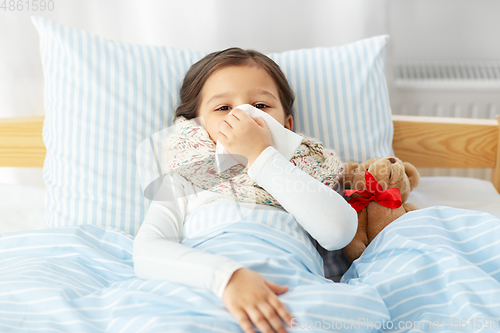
{"x": 283, "y": 140}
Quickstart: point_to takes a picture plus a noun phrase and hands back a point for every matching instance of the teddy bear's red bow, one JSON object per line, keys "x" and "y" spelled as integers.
{"x": 390, "y": 198}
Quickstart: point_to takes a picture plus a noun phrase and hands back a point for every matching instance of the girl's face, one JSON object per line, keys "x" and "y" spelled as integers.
{"x": 231, "y": 86}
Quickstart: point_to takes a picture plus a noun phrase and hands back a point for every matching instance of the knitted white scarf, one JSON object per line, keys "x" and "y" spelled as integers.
{"x": 190, "y": 152}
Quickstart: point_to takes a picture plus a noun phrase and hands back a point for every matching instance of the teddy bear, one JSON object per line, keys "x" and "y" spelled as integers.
{"x": 378, "y": 189}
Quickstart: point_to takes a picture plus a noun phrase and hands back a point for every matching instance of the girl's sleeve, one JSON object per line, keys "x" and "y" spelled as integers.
{"x": 158, "y": 254}
{"x": 320, "y": 210}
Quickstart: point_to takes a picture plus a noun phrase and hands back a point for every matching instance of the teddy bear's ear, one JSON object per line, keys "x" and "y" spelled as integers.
{"x": 347, "y": 177}
{"x": 413, "y": 175}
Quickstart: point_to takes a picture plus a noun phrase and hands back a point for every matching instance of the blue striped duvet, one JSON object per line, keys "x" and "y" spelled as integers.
{"x": 433, "y": 270}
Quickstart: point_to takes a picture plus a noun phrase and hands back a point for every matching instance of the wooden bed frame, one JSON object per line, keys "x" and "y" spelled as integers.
{"x": 426, "y": 142}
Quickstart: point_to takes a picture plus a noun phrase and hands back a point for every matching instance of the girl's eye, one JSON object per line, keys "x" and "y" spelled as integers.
{"x": 261, "y": 106}
{"x": 223, "y": 108}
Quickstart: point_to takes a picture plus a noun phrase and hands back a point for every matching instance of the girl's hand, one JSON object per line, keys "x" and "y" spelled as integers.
{"x": 249, "y": 296}
{"x": 243, "y": 135}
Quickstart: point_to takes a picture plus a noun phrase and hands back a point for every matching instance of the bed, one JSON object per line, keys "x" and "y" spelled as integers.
{"x": 98, "y": 284}
{"x": 66, "y": 261}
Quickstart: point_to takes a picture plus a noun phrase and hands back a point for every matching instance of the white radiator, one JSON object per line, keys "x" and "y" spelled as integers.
{"x": 447, "y": 89}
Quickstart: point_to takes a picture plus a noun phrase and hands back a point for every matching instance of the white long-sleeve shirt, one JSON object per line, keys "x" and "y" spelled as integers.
{"x": 159, "y": 255}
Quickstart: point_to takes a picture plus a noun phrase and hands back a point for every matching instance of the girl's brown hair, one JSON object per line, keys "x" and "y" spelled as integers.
{"x": 199, "y": 72}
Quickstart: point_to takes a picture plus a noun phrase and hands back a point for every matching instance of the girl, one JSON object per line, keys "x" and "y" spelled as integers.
{"x": 164, "y": 248}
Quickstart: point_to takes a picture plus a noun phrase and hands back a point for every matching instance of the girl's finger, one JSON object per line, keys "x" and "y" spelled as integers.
{"x": 258, "y": 319}
{"x": 243, "y": 320}
{"x": 233, "y": 117}
{"x": 281, "y": 309}
{"x": 228, "y": 122}
{"x": 276, "y": 288}
{"x": 260, "y": 121}
{"x": 239, "y": 114}
{"x": 272, "y": 317}
{"x": 221, "y": 138}
{"x": 224, "y": 126}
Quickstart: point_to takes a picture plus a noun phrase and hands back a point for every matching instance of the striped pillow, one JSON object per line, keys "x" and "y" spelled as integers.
{"x": 104, "y": 97}
{"x": 342, "y": 97}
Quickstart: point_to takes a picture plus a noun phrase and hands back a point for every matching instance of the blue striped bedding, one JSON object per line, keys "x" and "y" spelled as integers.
{"x": 435, "y": 266}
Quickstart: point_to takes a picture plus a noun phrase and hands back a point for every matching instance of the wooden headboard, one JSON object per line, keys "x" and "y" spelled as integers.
{"x": 426, "y": 142}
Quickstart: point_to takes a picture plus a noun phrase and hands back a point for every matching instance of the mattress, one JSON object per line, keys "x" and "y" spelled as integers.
{"x": 22, "y": 207}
